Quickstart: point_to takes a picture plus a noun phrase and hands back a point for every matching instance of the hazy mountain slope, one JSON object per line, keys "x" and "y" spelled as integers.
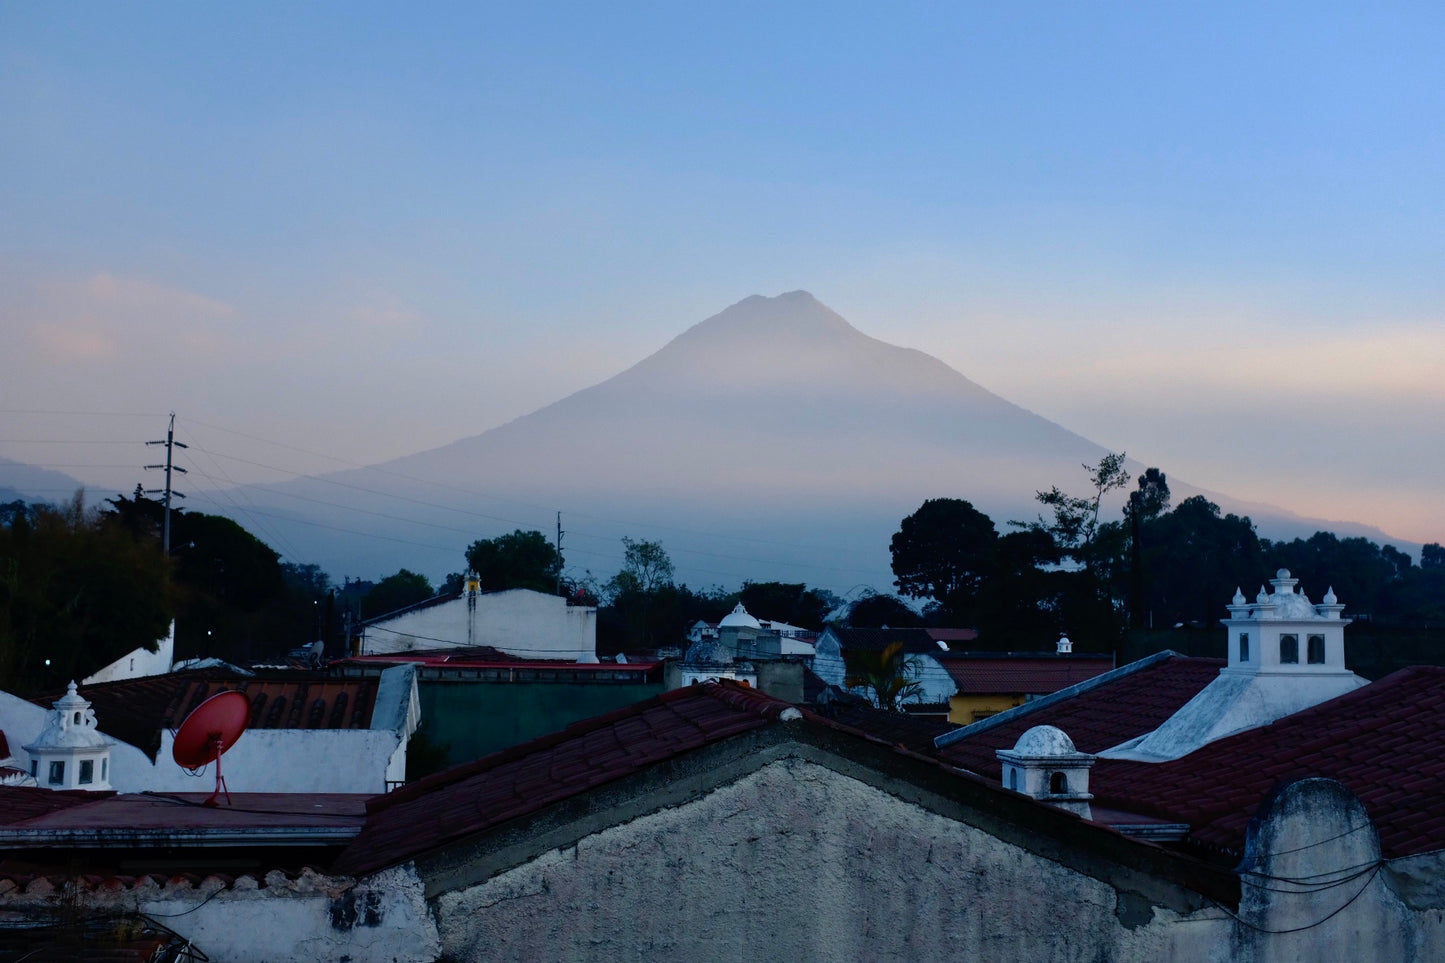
{"x": 771, "y": 441}
{"x": 772, "y": 397}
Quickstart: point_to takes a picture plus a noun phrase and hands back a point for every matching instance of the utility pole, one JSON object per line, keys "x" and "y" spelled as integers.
{"x": 170, "y": 466}
{"x": 559, "y": 553}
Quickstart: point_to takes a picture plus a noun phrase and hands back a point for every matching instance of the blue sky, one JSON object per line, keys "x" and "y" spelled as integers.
{"x": 1208, "y": 234}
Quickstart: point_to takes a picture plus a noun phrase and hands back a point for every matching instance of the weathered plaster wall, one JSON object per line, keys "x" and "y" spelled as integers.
{"x": 309, "y": 917}
{"x": 798, "y": 862}
{"x": 519, "y": 621}
{"x": 1315, "y": 887}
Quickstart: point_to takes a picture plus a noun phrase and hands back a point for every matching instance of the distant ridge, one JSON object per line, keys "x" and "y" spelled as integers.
{"x": 772, "y": 440}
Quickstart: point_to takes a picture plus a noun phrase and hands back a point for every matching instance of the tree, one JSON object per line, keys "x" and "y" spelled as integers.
{"x": 634, "y": 592}
{"x": 882, "y": 611}
{"x": 646, "y": 567}
{"x": 395, "y": 592}
{"x": 1198, "y": 559}
{"x": 1075, "y": 524}
{"x": 77, "y": 591}
{"x": 1020, "y": 604}
{"x": 1432, "y": 555}
{"x": 888, "y": 676}
{"x": 519, "y": 560}
{"x": 790, "y": 602}
{"x": 1146, "y": 503}
{"x": 942, "y": 552}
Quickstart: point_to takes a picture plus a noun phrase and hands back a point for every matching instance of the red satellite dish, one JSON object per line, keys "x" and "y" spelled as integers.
{"x": 209, "y": 731}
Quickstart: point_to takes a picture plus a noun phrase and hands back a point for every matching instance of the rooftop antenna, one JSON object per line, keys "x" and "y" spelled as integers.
{"x": 211, "y": 729}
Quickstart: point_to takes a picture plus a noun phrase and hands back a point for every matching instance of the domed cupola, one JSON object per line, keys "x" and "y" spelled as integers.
{"x": 70, "y": 752}
{"x": 1045, "y": 765}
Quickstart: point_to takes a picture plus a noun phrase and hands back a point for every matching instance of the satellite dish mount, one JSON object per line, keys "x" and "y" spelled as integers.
{"x": 208, "y": 732}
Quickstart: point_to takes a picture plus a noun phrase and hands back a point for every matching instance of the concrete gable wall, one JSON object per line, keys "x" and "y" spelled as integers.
{"x": 806, "y": 864}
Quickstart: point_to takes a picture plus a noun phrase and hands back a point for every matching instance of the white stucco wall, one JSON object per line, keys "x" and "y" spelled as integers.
{"x": 262, "y": 760}
{"x": 520, "y": 622}
{"x": 139, "y": 663}
{"x": 798, "y": 862}
{"x": 311, "y": 917}
{"x": 22, "y": 721}
{"x": 937, "y": 684}
{"x": 277, "y": 760}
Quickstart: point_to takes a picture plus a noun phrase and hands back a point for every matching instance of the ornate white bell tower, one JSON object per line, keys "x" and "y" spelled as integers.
{"x": 70, "y": 752}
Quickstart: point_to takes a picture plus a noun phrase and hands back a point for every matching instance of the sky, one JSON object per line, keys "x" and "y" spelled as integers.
{"x": 331, "y": 234}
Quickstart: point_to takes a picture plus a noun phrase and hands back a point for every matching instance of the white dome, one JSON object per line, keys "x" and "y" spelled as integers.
{"x": 739, "y": 618}
{"x": 1045, "y": 741}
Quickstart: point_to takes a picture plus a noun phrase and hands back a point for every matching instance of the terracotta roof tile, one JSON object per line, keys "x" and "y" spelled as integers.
{"x": 1109, "y": 709}
{"x": 478, "y": 796}
{"x": 915, "y": 733}
{"x": 1385, "y": 741}
{"x": 136, "y": 710}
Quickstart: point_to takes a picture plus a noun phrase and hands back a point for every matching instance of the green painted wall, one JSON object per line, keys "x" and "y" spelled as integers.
{"x": 477, "y": 718}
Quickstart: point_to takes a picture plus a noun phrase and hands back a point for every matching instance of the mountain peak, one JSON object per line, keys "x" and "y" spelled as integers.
{"x": 795, "y": 321}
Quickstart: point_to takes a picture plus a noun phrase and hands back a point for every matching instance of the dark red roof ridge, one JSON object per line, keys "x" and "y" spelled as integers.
{"x": 1063, "y": 695}
{"x": 729, "y": 693}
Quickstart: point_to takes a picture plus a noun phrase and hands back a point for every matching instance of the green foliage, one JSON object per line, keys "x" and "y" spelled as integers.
{"x": 519, "y": 560}
{"x": 790, "y": 602}
{"x": 942, "y": 552}
{"x": 646, "y": 567}
{"x": 644, "y": 601}
{"x": 1432, "y": 555}
{"x": 1075, "y": 524}
{"x": 395, "y": 592}
{"x": 234, "y": 599}
{"x": 1195, "y": 559}
{"x": 882, "y": 611}
{"x": 888, "y": 676}
{"x": 77, "y": 588}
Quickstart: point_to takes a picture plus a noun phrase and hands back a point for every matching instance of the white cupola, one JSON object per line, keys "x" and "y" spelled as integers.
{"x": 1283, "y": 632}
{"x": 1066, "y": 647}
{"x": 1285, "y": 654}
{"x": 70, "y": 752}
{"x": 1045, "y": 765}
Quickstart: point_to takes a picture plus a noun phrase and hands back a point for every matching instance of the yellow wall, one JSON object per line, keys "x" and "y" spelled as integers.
{"x": 964, "y": 709}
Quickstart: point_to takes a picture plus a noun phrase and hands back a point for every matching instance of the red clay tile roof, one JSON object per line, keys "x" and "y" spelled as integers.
{"x": 914, "y": 733}
{"x": 1103, "y": 711}
{"x": 135, "y": 710}
{"x": 23, "y": 809}
{"x": 1384, "y": 741}
{"x": 949, "y": 636}
{"x": 1020, "y": 672}
{"x": 472, "y": 798}
{"x": 19, "y": 803}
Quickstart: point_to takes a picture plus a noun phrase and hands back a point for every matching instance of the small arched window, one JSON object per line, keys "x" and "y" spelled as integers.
{"x": 1013, "y": 778}
{"x": 1058, "y": 783}
{"x": 1244, "y": 646}
{"x": 1289, "y": 649}
{"x": 1315, "y": 650}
